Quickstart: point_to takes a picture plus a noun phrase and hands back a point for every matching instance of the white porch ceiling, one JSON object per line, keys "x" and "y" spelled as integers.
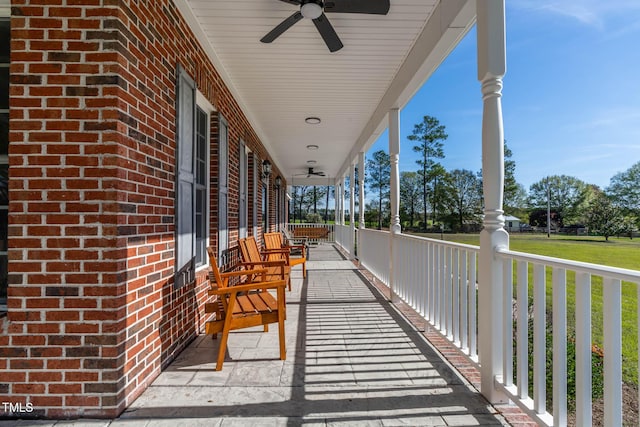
{"x": 385, "y": 59}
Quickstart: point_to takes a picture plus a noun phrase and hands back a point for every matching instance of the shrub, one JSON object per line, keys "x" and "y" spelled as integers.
{"x": 314, "y": 218}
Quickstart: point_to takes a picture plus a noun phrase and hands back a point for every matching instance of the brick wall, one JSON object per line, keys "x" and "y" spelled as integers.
{"x": 93, "y": 314}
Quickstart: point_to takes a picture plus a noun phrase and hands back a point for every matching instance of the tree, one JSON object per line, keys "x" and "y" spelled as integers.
{"x": 378, "y": 175}
{"x": 604, "y": 218}
{"x": 624, "y": 190}
{"x": 515, "y": 195}
{"x": 429, "y": 137}
{"x": 298, "y": 200}
{"x": 465, "y": 196}
{"x": 317, "y": 195}
{"x": 410, "y": 194}
{"x": 567, "y": 196}
{"x": 439, "y": 193}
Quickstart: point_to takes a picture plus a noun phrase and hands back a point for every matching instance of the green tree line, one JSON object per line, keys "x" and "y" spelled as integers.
{"x": 434, "y": 199}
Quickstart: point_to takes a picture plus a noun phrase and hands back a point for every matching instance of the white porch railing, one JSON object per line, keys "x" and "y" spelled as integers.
{"x": 373, "y": 252}
{"x": 345, "y": 237}
{"x": 438, "y": 280}
{"x": 564, "y": 275}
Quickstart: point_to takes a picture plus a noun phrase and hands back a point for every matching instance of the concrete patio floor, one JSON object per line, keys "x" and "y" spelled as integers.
{"x": 352, "y": 359}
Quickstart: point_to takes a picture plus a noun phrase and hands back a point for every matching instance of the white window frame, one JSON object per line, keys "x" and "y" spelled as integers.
{"x": 203, "y": 104}
{"x": 223, "y": 189}
{"x": 256, "y": 207}
{"x": 243, "y": 184}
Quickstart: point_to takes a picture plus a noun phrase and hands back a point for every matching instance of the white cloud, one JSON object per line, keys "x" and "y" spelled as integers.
{"x": 611, "y": 118}
{"x": 594, "y": 13}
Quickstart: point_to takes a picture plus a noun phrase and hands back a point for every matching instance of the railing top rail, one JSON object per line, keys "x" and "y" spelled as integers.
{"x": 586, "y": 267}
{"x": 440, "y": 242}
{"x": 371, "y": 230}
{"x": 309, "y": 224}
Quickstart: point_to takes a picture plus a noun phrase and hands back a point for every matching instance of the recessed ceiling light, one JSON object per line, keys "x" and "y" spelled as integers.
{"x": 312, "y": 147}
{"x": 311, "y": 162}
{"x": 312, "y": 120}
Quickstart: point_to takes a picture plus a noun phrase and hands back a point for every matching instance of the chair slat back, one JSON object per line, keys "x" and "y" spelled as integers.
{"x": 287, "y": 234}
{"x": 214, "y": 268}
{"x": 253, "y": 252}
{"x": 273, "y": 240}
{"x": 244, "y": 252}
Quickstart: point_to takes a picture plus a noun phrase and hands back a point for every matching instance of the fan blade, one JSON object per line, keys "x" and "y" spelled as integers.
{"x": 295, "y": 2}
{"x": 374, "y": 7}
{"x": 328, "y": 34}
{"x": 281, "y": 28}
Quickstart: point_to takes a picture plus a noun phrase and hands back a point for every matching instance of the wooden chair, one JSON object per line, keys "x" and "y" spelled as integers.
{"x": 295, "y": 241}
{"x": 252, "y": 258}
{"x": 244, "y": 305}
{"x": 274, "y": 241}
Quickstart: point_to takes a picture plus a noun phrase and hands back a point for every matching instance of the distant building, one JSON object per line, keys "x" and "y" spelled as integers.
{"x": 511, "y": 223}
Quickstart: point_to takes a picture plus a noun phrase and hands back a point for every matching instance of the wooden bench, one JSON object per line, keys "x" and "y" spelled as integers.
{"x": 252, "y": 258}
{"x": 244, "y": 305}
{"x": 311, "y": 232}
{"x": 274, "y": 241}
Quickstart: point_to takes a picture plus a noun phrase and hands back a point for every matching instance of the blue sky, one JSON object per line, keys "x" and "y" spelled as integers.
{"x": 571, "y": 97}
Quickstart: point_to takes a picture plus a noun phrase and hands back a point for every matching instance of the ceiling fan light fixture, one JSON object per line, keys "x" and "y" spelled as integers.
{"x": 312, "y": 120}
{"x": 311, "y": 10}
{"x": 312, "y": 147}
{"x": 311, "y": 162}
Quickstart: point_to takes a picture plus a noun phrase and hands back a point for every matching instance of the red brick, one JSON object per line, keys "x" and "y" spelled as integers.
{"x": 64, "y": 364}
{"x": 29, "y": 389}
{"x": 65, "y": 388}
{"x": 44, "y": 377}
{"x": 45, "y": 401}
{"x": 27, "y": 340}
{"x": 62, "y": 316}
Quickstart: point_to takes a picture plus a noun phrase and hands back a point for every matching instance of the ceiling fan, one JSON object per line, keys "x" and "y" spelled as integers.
{"x": 316, "y": 9}
{"x": 311, "y": 172}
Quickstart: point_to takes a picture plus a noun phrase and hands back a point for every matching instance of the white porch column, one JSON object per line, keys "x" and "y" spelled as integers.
{"x": 343, "y": 185}
{"x": 361, "y": 188}
{"x": 491, "y": 69}
{"x": 394, "y": 152}
{"x": 394, "y": 156}
{"x": 336, "y": 202}
{"x": 352, "y": 210}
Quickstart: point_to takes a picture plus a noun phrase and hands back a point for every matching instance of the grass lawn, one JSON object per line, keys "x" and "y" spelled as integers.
{"x": 623, "y": 253}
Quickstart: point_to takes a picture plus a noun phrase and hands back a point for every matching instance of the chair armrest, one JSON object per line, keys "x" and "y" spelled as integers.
{"x": 277, "y": 263}
{"x": 251, "y": 287}
{"x": 276, "y": 251}
{"x": 243, "y": 272}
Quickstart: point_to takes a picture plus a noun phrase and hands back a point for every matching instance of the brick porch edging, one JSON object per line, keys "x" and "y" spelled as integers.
{"x": 511, "y": 413}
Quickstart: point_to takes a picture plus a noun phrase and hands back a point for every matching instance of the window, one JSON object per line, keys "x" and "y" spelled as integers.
{"x": 256, "y": 173}
{"x": 223, "y": 189}
{"x": 192, "y": 171}
{"x": 243, "y": 187}
{"x": 202, "y": 193}
{"x": 4, "y": 157}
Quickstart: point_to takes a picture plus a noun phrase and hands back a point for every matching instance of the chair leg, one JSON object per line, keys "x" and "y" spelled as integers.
{"x": 223, "y": 349}
{"x": 266, "y": 328}
{"x": 283, "y": 350}
{"x": 304, "y": 270}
